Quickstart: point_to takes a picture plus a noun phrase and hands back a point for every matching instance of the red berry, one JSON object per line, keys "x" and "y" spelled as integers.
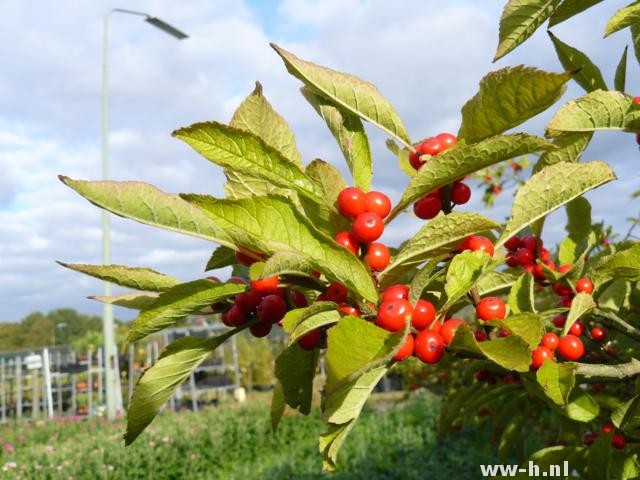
{"x": 545, "y": 255}
{"x": 577, "y": 328}
{"x": 349, "y": 310}
{"x": 607, "y": 427}
{"x": 584, "y": 285}
{"x": 564, "y": 268}
{"x": 367, "y": 227}
{"x": 539, "y": 356}
{"x": 235, "y": 316}
{"x": 406, "y": 350}
{"x": 395, "y": 292}
{"x": 512, "y": 244}
{"x": 447, "y": 140}
{"x": 352, "y": 202}
{"x": 348, "y": 241}
{"x": 565, "y": 301}
{"x": 271, "y": 309}
{"x": 503, "y": 333}
{"x": 225, "y": 319}
{"x": 480, "y": 336}
{"x": 428, "y": 206}
{"x": 588, "y": 438}
{"x": 571, "y": 347}
{"x": 460, "y": 193}
{"x": 530, "y": 242}
{"x": 245, "y": 258}
{"x": 550, "y": 340}
{"x": 260, "y": 329}
{"x": 618, "y": 441}
{"x": 248, "y": 301}
{"x": 414, "y": 160}
{"x": 512, "y": 259}
{"x": 598, "y": 334}
{"x": 266, "y": 285}
{"x": 378, "y": 202}
{"x": 392, "y": 315}
{"x": 336, "y": 293}
{"x": 561, "y": 290}
{"x": 559, "y": 320}
{"x": 429, "y": 346}
{"x": 448, "y": 329}
{"x": 491, "y": 308}
{"x": 431, "y": 146}
{"x": 478, "y": 242}
{"x": 423, "y": 315}
{"x": 378, "y": 256}
{"x": 636, "y": 100}
{"x": 238, "y": 280}
{"x": 298, "y": 299}
{"x": 311, "y": 340}
{"x": 525, "y": 256}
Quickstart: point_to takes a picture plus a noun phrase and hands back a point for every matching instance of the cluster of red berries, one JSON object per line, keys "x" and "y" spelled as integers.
{"x": 431, "y": 204}
{"x": 618, "y": 440}
{"x": 524, "y": 251}
{"x": 367, "y": 210}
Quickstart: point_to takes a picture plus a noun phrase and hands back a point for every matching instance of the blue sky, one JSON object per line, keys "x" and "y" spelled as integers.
{"x": 425, "y": 56}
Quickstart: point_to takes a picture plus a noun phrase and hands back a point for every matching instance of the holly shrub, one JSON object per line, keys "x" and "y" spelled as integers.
{"x": 529, "y": 338}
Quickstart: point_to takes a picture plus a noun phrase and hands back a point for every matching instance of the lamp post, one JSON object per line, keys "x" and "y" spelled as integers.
{"x": 110, "y": 351}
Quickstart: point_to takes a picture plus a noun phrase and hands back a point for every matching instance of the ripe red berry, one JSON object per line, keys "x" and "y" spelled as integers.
{"x": 550, "y": 340}
{"x": 406, "y": 350}
{"x": 618, "y": 441}
{"x": 248, "y": 301}
{"x": 260, "y": 329}
{"x": 607, "y": 427}
{"x": 460, "y": 193}
{"x": 349, "y": 310}
{"x": 392, "y": 315}
{"x": 565, "y": 301}
{"x": 478, "y": 242}
{"x": 378, "y": 256}
{"x": 584, "y": 285}
{"x": 225, "y": 319}
{"x": 245, "y": 258}
{"x": 577, "y": 328}
{"x": 448, "y": 329}
{"x": 298, "y": 299}
{"x": 561, "y": 290}
{"x": 559, "y": 320}
{"x": 428, "y": 206}
{"x": 429, "y": 346}
{"x": 367, "y": 227}
{"x": 539, "y": 356}
{"x": 266, "y": 285}
{"x": 311, "y": 340}
{"x": 423, "y": 315}
{"x": 271, "y": 309}
{"x": 636, "y": 100}
{"x": 588, "y": 438}
{"x": 598, "y": 334}
{"x": 447, "y": 140}
{"x": 564, "y": 268}
{"x": 235, "y": 316}
{"x": 352, "y": 202}
{"x": 431, "y": 146}
{"x": 348, "y": 241}
{"x": 414, "y": 160}
{"x": 336, "y": 293}
{"x": 530, "y": 242}
{"x": 503, "y": 333}
{"x": 480, "y": 336}
{"x": 395, "y": 292}
{"x": 512, "y": 244}
{"x": 525, "y": 256}
{"x": 491, "y": 308}
{"x": 545, "y": 255}
{"x": 571, "y": 347}
{"x": 378, "y": 202}
{"x": 512, "y": 259}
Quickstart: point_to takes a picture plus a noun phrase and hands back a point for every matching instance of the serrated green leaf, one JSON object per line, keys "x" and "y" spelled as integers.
{"x": 511, "y": 352}
{"x": 424, "y": 277}
{"x": 286, "y": 262}
{"x": 624, "y": 264}
{"x": 587, "y": 74}
{"x": 620, "y": 79}
{"x": 551, "y": 188}
{"x": 615, "y": 296}
{"x": 146, "y": 204}
{"x": 273, "y": 224}
{"x": 494, "y": 282}
{"x": 581, "y": 305}
{"x": 463, "y": 273}
{"x": 623, "y": 18}
{"x": 507, "y": 98}
{"x": 220, "y": 258}
{"x": 557, "y": 380}
{"x": 134, "y": 300}
{"x": 521, "y": 297}
{"x": 598, "y": 110}
{"x": 571, "y": 146}
{"x": 582, "y": 407}
{"x": 130, "y": 277}
{"x": 349, "y": 132}
{"x": 627, "y": 414}
{"x": 519, "y": 20}
{"x": 241, "y": 185}
{"x": 312, "y": 322}
{"x": 347, "y": 91}
{"x": 178, "y": 302}
{"x": 330, "y": 443}
{"x": 157, "y": 384}
{"x": 569, "y": 8}
{"x": 278, "y": 405}
{"x": 295, "y": 369}
{"x": 440, "y": 236}
{"x": 463, "y": 160}
{"x": 635, "y": 39}
{"x": 294, "y": 318}
{"x": 528, "y": 326}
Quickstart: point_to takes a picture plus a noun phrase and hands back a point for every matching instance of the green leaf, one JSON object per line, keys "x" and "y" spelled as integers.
{"x": 296, "y": 317}
{"x": 579, "y": 229}
{"x": 247, "y": 154}
{"x": 130, "y": 277}
{"x": 599, "y": 458}
{"x": 256, "y": 115}
{"x": 620, "y": 79}
{"x": 156, "y": 384}
{"x": 349, "y": 132}
{"x": 571, "y": 146}
{"x": 551, "y": 188}
{"x": 463, "y": 273}
{"x": 286, "y": 262}
{"x": 557, "y": 380}
{"x": 295, "y": 369}
{"x": 569, "y": 8}
{"x": 312, "y": 322}
{"x": 627, "y": 414}
{"x": 440, "y": 236}
{"x": 147, "y": 204}
{"x": 623, "y": 18}
{"x": 582, "y": 407}
{"x": 278, "y": 405}
{"x": 520, "y": 19}
{"x": 423, "y": 278}
{"x": 528, "y": 326}
{"x": 507, "y": 98}
{"x": 581, "y": 304}
{"x": 331, "y": 442}
{"x": 134, "y": 300}
{"x": 597, "y": 110}
{"x": 494, "y": 282}
{"x": 220, "y": 258}
{"x": 621, "y": 265}
{"x": 463, "y": 160}
{"x": 521, "y": 298}
{"x": 587, "y": 74}
{"x": 509, "y": 436}
{"x": 178, "y": 302}
{"x": 511, "y": 352}
{"x": 347, "y": 91}
{"x": 615, "y": 296}
{"x": 273, "y": 224}
{"x": 635, "y": 39}
{"x": 241, "y": 185}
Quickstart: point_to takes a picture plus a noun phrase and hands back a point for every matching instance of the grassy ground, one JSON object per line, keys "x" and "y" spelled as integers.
{"x": 392, "y": 440}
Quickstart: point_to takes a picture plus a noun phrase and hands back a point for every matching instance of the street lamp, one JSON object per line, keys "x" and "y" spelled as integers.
{"x": 110, "y": 352}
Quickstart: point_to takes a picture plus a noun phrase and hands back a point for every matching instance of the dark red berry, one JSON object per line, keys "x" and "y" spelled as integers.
{"x": 235, "y": 316}
{"x": 260, "y": 329}
{"x": 460, "y": 193}
{"x": 298, "y": 299}
{"x": 428, "y": 207}
{"x": 512, "y": 244}
{"x": 618, "y": 441}
{"x": 271, "y": 309}
{"x": 311, "y": 340}
{"x": 248, "y": 301}
{"x": 525, "y": 256}
{"x": 336, "y": 293}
